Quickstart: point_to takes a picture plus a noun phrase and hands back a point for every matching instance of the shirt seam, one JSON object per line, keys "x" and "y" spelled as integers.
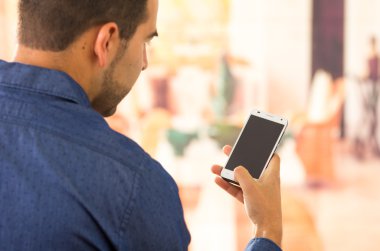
{"x": 129, "y": 209}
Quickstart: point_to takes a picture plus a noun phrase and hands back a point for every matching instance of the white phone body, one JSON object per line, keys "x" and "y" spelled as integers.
{"x": 255, "y": 145}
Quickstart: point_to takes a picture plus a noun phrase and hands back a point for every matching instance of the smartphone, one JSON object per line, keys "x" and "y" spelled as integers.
{"x": 255, "y": 145}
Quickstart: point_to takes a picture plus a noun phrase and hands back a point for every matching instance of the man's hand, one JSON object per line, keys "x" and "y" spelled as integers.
{"x": 261, "y": 198}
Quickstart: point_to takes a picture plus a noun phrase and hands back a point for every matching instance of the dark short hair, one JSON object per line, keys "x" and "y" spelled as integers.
{"x": 52, "y": 25}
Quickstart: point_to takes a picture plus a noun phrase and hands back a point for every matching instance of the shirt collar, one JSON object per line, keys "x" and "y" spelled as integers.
{"x": 42, "y": 80}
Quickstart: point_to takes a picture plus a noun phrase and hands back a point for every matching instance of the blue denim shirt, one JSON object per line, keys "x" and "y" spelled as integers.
{"x": 69, "y": 182}
{"x": 262, "y": 244}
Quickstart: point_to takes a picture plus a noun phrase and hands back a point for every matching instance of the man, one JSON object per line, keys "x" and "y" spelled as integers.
{"x": 67, "y": 181}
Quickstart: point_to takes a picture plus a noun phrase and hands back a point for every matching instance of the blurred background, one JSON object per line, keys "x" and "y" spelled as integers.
{"x": 315, "y": 62}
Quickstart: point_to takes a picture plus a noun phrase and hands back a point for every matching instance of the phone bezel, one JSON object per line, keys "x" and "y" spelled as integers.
{"x": 229, "y": 174}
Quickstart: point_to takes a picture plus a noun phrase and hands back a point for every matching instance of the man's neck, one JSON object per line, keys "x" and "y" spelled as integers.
{"x": 45, "y": 59}
{"x": 60, "y": 61}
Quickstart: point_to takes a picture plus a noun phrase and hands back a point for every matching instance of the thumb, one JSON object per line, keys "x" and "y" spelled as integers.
{"x": 273, "y": 169}
{"x": 243, "y": 177}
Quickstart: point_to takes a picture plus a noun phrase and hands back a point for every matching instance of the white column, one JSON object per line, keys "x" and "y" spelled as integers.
{"x": 8, "y": 24}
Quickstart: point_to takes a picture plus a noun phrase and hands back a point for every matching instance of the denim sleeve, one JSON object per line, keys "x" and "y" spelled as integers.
{"x": 262, "y": 244}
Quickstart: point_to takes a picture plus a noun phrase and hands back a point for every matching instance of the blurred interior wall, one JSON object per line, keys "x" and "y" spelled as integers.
{"x": 276, "y": 38}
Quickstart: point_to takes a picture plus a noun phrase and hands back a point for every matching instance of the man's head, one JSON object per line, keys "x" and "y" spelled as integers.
{"x": 53, "y": 25}
{"x": 100, "y": 43}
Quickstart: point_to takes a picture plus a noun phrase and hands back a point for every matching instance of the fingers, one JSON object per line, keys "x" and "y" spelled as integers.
{"x": 243, "y": 177}
{"x": 227, "y": 150}
{"x": 231, "y": 189}
{"x": 273, "y": 169}
{"x": 216, "y": 169}
{"x": 236, "y": 192}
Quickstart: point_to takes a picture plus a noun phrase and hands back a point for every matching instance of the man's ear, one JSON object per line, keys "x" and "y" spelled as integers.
{"x": 106, "y": 43}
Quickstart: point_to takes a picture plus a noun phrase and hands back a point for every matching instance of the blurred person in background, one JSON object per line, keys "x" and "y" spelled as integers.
{"x": 373, "y": 61}
{"x": 366, "y": 136}
{"x": 373, "y": 64}
{"x": 67, "y": 180}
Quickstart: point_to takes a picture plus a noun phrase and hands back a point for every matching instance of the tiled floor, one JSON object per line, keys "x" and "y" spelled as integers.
{"x": 342, "y": 216}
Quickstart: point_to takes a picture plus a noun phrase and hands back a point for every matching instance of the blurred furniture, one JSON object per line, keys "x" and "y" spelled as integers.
{"x": 318, "y": 134}
{"x": 179, "y": 139}
{"x": 224, "y": 133}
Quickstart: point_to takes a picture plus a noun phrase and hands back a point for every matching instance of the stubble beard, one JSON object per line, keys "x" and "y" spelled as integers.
{"x": 112, "y": 94}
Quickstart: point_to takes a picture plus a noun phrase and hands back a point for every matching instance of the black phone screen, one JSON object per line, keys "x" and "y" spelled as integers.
{"x": 255, "y": 145}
